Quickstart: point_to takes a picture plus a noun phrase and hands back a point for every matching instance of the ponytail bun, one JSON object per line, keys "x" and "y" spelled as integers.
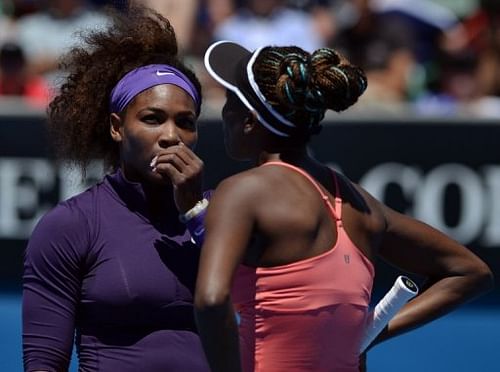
{"x": 340, "y": 82}
{"x": 301, "y": 86}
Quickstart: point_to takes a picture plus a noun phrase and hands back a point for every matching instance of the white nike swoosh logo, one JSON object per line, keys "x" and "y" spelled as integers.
{"x": 199, "y": 232}
{"x": 160, "y": 73}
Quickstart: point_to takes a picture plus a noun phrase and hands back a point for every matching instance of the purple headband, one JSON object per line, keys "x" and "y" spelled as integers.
{"x": 145, "y": 77}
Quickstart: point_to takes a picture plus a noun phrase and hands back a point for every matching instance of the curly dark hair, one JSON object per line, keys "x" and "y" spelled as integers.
{"x": 78, "y": 117}
{"x": 302, "y": 86}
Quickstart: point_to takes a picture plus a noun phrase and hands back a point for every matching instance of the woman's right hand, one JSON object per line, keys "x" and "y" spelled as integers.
{"x": 184, "y": 169}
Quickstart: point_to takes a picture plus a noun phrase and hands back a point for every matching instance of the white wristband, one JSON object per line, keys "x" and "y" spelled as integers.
{"x": 193, "y": 212}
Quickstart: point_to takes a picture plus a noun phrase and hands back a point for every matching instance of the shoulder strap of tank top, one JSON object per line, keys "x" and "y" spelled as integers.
{"x": 338, "y": 199}
{"x": 324, "y": 196}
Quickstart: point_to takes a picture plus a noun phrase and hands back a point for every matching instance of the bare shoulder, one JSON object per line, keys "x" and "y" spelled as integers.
{"x": 247, "y": 187}
{"x": 249, "y": 181}
{"x": 361, "y": 207}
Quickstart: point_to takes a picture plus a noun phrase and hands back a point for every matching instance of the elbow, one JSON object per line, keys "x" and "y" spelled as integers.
{"x": 207, "y": 299}
{"x": 483, "y": 278}
{"x": 478, "y": 279}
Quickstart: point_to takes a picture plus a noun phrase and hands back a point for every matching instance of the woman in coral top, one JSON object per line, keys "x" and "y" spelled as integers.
{"x": 290, "y": 243}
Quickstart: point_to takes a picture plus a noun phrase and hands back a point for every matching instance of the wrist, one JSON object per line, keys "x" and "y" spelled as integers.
{"x": 186, "y": 200}
{"x": 198, "y": 208}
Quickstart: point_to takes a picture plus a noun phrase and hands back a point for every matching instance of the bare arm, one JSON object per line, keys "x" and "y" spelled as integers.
{"x": 454, "y": 275}
{"x": 229, "y": 223}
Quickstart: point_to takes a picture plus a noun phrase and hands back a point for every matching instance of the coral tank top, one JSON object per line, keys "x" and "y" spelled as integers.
{"x": 308, "y": 315}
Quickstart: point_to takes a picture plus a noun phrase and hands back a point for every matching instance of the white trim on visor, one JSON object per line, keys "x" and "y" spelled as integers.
{"x": 237, "y": 91}
{"x": 259, "y": 94}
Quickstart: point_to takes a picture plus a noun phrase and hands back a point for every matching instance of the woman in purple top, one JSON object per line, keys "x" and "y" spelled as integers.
{"x": 113, "y": 268}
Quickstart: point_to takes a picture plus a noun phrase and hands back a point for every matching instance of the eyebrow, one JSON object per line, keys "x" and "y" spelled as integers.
{"x": 160, "y": 110}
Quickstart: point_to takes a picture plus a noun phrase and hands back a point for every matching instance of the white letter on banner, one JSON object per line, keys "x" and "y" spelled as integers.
{"x": 16, "y": 197}
{"x": 378, "y": 178}
{"x": 429, "y": 201}
{"x": 491, "y": 236}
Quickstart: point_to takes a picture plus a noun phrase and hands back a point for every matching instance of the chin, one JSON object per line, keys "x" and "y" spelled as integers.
{"x": 158, "y": 179}
{"x": 238, "y": 156}
{"x": 232, "y": 154}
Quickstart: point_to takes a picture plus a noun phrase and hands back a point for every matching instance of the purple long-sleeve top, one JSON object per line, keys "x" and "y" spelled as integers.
{"x": 98, "y": 272}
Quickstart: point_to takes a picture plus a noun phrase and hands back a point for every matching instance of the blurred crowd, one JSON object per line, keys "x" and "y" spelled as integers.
{"x": 440, "y": 57}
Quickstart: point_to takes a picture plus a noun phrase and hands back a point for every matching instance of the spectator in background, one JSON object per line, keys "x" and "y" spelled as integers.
{"x": 322, "y": 13}
{"x": 382, "y": 46}
{"x": 483, "y": 30}
{"x": 404, "y": 51}
{"x": 16, "y": 80}
{"x": 211, "y": 13}
{"x": 182, "y": 15}
{"x": 457, "y": 80}
{"x": 467, "y": 67}
{"x": 428, "y": 20}
{"x": 219, "y": 10}
{"x": 431, "y": 26}
{"x": 261, "y": 22}
{"x": 48, "y": 34}
{"x": 7, "y": 22}
{"x": 488, "y": 72}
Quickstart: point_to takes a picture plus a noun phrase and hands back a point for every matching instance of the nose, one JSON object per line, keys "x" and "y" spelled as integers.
{"x": 169, "y": 135}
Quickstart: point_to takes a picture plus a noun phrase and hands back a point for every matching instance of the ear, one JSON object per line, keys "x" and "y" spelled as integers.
{"x": 250, "y": 122}
{"x": 115, "y": 126}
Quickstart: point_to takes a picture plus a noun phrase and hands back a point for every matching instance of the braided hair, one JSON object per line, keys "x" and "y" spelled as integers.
{"x": 302, "y": 86}
{"x": 78, "y": 117}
